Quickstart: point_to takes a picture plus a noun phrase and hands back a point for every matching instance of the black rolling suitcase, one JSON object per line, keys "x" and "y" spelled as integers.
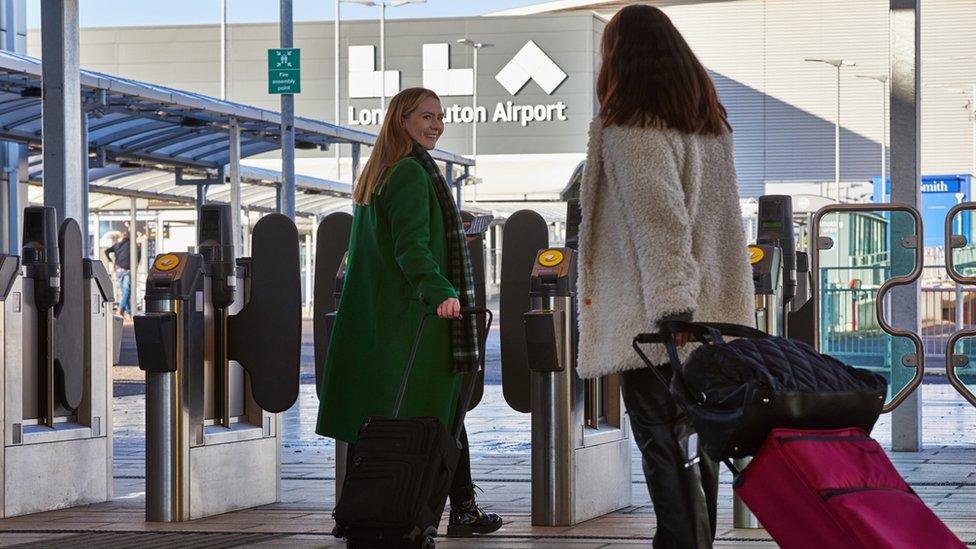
{"x": 400, "y": 471}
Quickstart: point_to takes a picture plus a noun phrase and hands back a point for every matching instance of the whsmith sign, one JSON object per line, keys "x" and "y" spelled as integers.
{"x": 529, "y": 64}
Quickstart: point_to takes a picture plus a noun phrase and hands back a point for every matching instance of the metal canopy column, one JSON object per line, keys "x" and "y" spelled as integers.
{"x": 200, "y": 201}
{"x": 309, "y": 250}
{"x": 906, "y": 424}
{"x": 15, "y": 40}
{"x": 11, "y": 206}
{"x": 449, "y": 175}
{"x": 159, "y": 235}
{"x": 310, "y": 279}
{"x": 355, "y": 162}
{"x": 86, "y": 248}
{"x": 234, "y": 177}
{"x": 133, "y": 257}
{"x": 96, "y": 252}
{"x": 61, "y": 106}
{"x": 247, "y": 231}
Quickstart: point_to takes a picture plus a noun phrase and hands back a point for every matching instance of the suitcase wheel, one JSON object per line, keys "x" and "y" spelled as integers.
{"x": 426, "y": 541}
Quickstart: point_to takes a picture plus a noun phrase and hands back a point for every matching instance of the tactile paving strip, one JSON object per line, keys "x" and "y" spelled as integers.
{"x": 150, "y": 540}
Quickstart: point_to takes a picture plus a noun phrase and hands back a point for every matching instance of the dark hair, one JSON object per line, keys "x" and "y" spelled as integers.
{"x": 650, "y": 76}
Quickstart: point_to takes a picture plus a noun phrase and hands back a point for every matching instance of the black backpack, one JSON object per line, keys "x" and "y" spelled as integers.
{"x": 735, "y": 392}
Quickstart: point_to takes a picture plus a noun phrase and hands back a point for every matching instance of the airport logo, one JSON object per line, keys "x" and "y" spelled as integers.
{"x": 440, "y": 77}
{"x": 364, "y": 79}
{"x": 531, "y": 63}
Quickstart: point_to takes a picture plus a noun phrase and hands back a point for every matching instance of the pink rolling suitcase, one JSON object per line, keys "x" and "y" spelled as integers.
{"x": 836, "y": 489}
{"x": 824, "y": 488}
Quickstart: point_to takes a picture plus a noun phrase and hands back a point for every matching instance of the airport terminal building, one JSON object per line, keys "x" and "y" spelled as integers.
{"x": 535, "y": 84}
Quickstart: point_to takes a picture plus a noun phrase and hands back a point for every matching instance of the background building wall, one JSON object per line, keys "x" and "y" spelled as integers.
{"x": 188, "y": 57}
{"x": 782, "y": 108}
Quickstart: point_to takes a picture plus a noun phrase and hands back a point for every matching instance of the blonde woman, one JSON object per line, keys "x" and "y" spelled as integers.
{"x": 407, "y": 256}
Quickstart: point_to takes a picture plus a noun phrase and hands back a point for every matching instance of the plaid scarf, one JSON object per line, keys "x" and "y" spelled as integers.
{"x": 464, "y": 332}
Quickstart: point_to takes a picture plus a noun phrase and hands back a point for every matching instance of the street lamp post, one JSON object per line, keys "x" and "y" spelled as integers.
{"x": 838, "y": 64}
{"x": 383, "y": 4}
{"x": 971, "y": 107}
{"x": 883, "y": 79}
{"x": 475, "y": 46}
{"x": 336, "y": 89}
{"x": 223, "y": 49}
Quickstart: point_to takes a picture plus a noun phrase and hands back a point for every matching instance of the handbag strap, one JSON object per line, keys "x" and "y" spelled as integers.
{"x": 707, "y": 333}
{"x": 713, "y": 330}
{"x": 673, "y": 358}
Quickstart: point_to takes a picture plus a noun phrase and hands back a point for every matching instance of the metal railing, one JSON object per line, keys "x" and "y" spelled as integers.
{"x": 849, "y": 322}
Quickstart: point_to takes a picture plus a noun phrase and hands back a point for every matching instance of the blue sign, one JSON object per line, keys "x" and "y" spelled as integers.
{"x": 930, "y": 184}
{"x": 939, "y": 194}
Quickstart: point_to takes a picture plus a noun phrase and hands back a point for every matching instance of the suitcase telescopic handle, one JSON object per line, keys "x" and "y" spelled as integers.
{"x": 470, "y": 379}
{"x": 416, "y": 345}
{"x": 665, "y": 339}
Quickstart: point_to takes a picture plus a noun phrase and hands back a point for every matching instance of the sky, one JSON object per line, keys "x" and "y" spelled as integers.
{"x": 118, "y": 13}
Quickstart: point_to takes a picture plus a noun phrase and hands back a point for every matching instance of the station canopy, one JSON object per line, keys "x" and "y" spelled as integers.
{"x": 139, "y": 126}
{"x": 111, "y": 188}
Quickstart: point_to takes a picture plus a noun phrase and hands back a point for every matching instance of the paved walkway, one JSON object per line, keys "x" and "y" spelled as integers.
{"x": 944, "y": 474}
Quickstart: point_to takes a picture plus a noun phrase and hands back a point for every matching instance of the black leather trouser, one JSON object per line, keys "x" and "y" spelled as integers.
{"x": 684, "y": 498}
{"x": 462, "y": 488}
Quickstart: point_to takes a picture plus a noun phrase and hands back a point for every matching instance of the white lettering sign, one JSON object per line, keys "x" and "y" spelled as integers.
{"x": 364, "y": 79}
{"x": 503, "y": 112}
{"x": 440, "y": 77}
{"x": 530, "y": 63}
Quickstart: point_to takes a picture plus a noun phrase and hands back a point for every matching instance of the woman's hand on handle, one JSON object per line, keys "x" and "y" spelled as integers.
{"x": 450, "y": 308}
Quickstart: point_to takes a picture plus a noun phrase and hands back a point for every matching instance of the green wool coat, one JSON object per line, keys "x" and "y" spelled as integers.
{"x": 395, "y": 272}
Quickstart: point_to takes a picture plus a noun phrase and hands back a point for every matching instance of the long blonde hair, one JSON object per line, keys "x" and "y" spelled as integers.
{"x": 392, "y": 144}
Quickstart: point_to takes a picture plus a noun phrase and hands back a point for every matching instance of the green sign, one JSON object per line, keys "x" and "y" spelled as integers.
{"x": 284, "y": 71}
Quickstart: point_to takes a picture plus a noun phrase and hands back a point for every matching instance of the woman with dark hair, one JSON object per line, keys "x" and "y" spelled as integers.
{"x": 407, "y": 257}
{"x": 661, "y": 239}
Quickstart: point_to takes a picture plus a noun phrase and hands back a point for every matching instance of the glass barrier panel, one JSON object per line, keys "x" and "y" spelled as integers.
{"x": 867, "y": 248}
{"x": 967, "y": 374}
{"x": 960, "y": 312}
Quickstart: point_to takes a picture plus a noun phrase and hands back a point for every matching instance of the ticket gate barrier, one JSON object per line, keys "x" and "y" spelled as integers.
{"x": 330, "y": 269}
{"x": 220, "y": 344}
{"x": 581, "y": 464}
{"x": 767, "y": 278}
{"x": 960, "y": 264}
{"x": 57, "y": 379}
{"x": 894, "y": 231}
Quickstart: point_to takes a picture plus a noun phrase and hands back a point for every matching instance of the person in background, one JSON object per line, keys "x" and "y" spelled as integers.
{"x": 407, "y": 257}
{"x": 661, "y": 239}
{"x": 118, "y": 254}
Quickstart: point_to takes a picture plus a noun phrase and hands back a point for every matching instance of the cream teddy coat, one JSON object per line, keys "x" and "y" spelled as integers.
{"x": 661, "y": 234}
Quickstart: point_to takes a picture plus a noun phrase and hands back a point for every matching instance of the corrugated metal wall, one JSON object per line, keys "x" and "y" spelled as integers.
{"x": 783, "y": 109}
